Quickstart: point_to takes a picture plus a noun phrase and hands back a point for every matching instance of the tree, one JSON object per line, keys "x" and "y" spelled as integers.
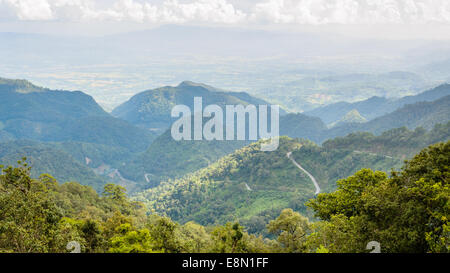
{"x": 408, "y": 212}
{"x": 115, "y": 192}
{"x": 291, "y": 229}
{"x": 29, "y": 220}
{"x": 129, "y": 240}
{"x": 229, "y": 239}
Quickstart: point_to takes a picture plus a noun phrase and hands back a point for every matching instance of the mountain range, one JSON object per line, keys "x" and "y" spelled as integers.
{"x": 31, "y": 112}
{"x": 133, "y": 146}
{"x": 152, "y": 109}
{"x": 375, "y": 106}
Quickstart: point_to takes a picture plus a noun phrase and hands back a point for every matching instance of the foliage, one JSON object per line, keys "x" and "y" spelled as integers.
{"x": 219, "y": 194}
{"x": 407, "y": 212}
{"x": 399, "y": 142}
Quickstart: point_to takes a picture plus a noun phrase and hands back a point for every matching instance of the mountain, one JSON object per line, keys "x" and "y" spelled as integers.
{"x": 351, "y": 117}
{"x": 375, "y": 106}
{"x": 252, "y": 186}
{"x": 151, "y": 109}
{"x": 318, "y": 87}
{"x": 36, "y": 113}
{"x": 400, "y": 142}
{"x": 46, "y": 158}
{"x": 420, "y": 114}
{"x": 167, "y": 159}
{"x": 23, "y": 100}
{"x": 302, "y": 126}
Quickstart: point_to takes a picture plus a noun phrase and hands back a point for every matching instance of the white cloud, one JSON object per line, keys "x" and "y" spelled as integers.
{"x": 317, "y": 12}
{"x": 30, "y": 9}
{"x": 308, "y": 12}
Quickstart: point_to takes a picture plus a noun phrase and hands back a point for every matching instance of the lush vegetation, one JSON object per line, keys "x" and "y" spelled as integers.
{"x": 46, "y": 158}
{"x": 406, "y": 212}
{"x": 420, "y": 114}
{"x": 31, "y": 112}
{"x": 400, "y": 142}
{"x": 375, "y": 106}
{"x": 167, "y": 159}
{"x": 253, "y": 186}
{"x": 302, "y": 126}
{"x": 151, "y": 109}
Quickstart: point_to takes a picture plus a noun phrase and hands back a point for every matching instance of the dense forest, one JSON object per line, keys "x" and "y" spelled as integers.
{"x": 405, "y": 211}
{"x": 253, "y": 187}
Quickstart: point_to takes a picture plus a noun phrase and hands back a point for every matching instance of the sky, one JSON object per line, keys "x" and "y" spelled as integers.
{"x": 389, "y": 18}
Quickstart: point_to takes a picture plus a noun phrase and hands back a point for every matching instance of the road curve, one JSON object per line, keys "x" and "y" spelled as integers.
{"x": 305, "y": 171}
{"x": 146, "y": 177}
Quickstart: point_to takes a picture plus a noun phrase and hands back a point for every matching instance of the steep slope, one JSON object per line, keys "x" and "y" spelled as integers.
{"x": 167, "y": 158}
{"x": 23, "y": 100}
{"x": 302, "y": 126}
{"x": 399, "y": 142}
{"x": 421, "y": 114}
{"x": 376, "y": 106}
{"x": 151, "y": 109}
{"x": 253, "y": 186}
{"x": 46, "y": 158}
{"x": 36, "y": 113}
{"x": 351, "y": 117}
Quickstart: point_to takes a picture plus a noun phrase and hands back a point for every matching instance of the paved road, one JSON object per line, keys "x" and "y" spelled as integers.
{"x": 305, "y": 171}
{"x": 146, "y": 177}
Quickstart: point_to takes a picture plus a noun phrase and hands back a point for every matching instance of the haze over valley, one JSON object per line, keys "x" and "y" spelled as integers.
{"x": 98, "y": 99}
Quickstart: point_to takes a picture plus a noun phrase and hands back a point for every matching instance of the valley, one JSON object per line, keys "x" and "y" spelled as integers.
{"x": 213, "y": 182}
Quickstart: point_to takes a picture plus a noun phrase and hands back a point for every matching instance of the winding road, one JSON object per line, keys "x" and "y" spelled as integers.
{"x": 146, "y": 177}
{"x": 289, "y": 155}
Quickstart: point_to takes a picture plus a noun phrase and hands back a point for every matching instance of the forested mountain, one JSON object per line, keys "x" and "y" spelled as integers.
{"x": 46, "y": 158}
{"x": 420, "y": 114}
{"x": 23, "y": 100}
{"x": 79, "y": 140}
{"x": 86, "y": 163}
{"x": 400, "y": 142}
{"x": 151, "y": 109}
{"x": 302, "y": 126}
{"x": 167, "y": 158}
{"x": 376, "y": 106}
{"x": 351, "y": 117}
{"x": 253, "y": 186}
{"x": 31, "y": 112}
{"x": 40, "y": 215}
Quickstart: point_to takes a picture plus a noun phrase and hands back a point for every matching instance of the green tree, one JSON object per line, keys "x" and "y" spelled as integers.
{"x": 291, "y": 229}
{"x": 129, "y": 240}
{"x": 28, "y": 219}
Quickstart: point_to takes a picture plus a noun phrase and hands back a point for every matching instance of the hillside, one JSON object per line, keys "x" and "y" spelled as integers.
{"x": 151, "y": 109}
{"x": 253, "y": 186}
{"x": 46, "y": 158}
{"x": 400, "y": 142}
{"x": 167, "y": 158}
{"x": 420, "y": 114}
{"x": 376, "y": 106}
{"x": 31, "y": 112}
{"x": 351, "y": 117}
{"x": 41, "y": 216}
{"x": 302, "y": 126}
